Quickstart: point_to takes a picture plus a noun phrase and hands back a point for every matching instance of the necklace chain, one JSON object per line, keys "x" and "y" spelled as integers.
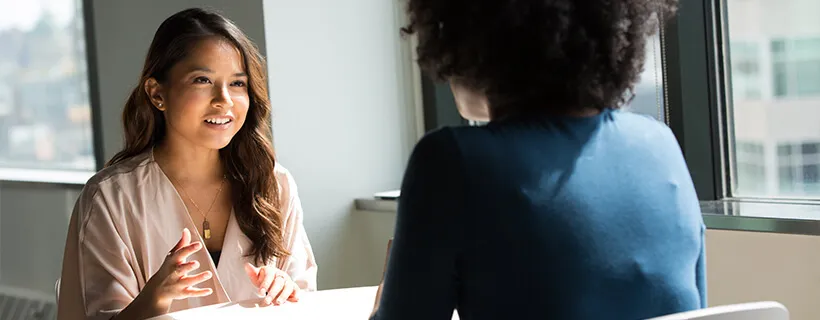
{"x": 206, "y": 226}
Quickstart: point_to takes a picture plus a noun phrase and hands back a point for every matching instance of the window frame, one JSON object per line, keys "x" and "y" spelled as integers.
{"x": 72, "y": 177}
{"x": 697, "y": 49}
{"x": 694, "y": 52}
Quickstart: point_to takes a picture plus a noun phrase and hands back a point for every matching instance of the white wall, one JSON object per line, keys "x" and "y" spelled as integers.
{"x": 33, "y": 225}
{"x": 751, "y": 266}
{"x": 343, "y": 117}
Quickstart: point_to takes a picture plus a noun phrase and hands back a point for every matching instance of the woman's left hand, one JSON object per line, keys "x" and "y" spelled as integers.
{"x": 275, "y": 284}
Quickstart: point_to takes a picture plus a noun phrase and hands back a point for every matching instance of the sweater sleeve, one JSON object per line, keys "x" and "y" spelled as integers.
{"x": 423, "y": 262}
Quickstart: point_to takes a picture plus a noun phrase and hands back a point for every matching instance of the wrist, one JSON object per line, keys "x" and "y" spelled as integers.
{"x": 145, "y": 305}
{"x": 148, "y": 299}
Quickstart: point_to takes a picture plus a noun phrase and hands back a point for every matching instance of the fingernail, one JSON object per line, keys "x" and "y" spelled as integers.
{"x": 261, "y": 290}
{"x": 268, "y": 300}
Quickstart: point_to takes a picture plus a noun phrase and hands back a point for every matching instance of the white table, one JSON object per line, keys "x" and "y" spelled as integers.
{"x": 341, "y": 304}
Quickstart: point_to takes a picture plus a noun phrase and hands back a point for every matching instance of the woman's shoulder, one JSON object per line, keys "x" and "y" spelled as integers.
{"x": 133, "y": 168}
{"x": 438, "y": 140}
{"x": 110, "y": 188}
{"x": 641, "y": 122}
{"x": 115, "y": 182}
{"x": 285, "y": 181}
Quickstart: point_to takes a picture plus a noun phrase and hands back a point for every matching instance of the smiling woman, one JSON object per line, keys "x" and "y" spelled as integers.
{"x": 204, "y": 105}
{"x": 197, "y": 157}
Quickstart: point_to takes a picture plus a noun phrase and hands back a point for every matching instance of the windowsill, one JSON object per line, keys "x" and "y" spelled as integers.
{"x": 763, "y": 216}
{"x": 379, "y": 205}
{"x": 63, "y": 177}
{"x": 738, "y": 215}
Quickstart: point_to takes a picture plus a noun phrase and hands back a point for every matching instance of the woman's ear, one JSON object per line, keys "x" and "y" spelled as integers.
{"x": 154, "y": 91}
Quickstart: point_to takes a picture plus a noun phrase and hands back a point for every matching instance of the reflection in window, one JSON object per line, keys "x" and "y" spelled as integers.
{"x": 45, "y": 117}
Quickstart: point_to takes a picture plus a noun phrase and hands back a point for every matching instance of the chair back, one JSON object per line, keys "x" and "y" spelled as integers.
{"x": 766, "y": 310}
{"x": 57, "y": 291}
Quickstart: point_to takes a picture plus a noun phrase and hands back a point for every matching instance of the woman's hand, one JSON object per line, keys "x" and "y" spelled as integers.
{"x": 273, "y": 283}
{"x": 172, "y": 282}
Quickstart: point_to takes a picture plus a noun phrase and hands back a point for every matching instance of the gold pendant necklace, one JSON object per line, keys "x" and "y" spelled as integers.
{"x": 206, "y": 226}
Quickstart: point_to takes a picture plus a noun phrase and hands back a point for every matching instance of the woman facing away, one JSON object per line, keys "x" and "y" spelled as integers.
{"x": 194, "y": 210}
{"x": 562, "y": 207}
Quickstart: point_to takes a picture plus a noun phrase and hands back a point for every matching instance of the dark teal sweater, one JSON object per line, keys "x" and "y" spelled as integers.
{"x": 569, "y": 218}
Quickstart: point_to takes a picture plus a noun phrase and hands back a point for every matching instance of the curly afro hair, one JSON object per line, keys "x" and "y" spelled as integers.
{"x": 541, "y": 56}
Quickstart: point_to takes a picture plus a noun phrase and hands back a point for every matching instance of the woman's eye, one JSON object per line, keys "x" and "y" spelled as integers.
{"x": 202, "y": 80}
{"x": 238, "y": 83}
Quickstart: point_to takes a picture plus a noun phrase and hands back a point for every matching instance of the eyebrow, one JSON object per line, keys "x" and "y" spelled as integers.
{"x": 207, "y": 70}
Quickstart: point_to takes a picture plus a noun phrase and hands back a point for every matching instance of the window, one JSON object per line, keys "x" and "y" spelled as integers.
{"x": 774, "y": 50}
{"x": 45, "y": 113}
{"x": 751, "y": 167}
{"x": 649, "y": 92}
{"x": 746, "y": 69}
{"x": 799, "y": 168}
{"x": 796, "y": 67}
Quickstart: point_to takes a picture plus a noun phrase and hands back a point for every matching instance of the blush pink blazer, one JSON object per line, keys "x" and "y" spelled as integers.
{"x": 127, "y": 219}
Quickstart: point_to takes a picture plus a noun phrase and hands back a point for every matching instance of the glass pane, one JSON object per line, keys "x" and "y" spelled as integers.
{"x": 649, "y": 94}
{"x": 807, "y": 77}
{"x": 747, "y": 70}
{"x": 784, "y": 150}
{"x": 751, "y": 166}
{"x": 786, "y": 180}
{"x": 778, "y": 78}
{"x": 774, "y": 55}
{"x": 811, "y": 173}
{"x": 809, "y": 148}
{"x": 45, "y": 116}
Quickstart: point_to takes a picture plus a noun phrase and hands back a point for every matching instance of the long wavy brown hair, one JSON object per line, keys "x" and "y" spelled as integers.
{"x": 249, "y": 158}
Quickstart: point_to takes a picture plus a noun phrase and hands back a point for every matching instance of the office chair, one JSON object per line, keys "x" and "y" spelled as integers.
{"x": 767, "y": 310}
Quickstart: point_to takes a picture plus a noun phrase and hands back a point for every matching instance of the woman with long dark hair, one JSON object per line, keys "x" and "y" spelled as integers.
{"x": 194, "y": 210}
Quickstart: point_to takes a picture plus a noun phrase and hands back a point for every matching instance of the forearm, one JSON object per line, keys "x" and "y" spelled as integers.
{"x": 378, "y": 298}
{"x": 143, "y": 307}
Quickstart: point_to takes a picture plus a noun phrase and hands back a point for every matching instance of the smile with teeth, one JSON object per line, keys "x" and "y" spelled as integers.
{"x": 218, "y": 120}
